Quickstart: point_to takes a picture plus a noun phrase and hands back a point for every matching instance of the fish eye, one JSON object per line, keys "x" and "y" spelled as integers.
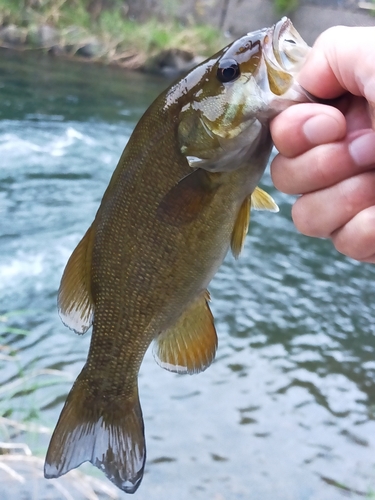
{"x": 228, "y": 70}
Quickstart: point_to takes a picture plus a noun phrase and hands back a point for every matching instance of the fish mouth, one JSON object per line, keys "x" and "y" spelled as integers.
{"x": 285, "y": 46}
{"x": 284, "y": 53}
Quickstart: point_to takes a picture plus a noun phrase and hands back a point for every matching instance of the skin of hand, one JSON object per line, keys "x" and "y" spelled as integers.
{"x": 327, "y": 153}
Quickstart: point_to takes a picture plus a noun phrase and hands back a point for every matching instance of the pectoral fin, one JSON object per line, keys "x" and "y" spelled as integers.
{"x": 190, "y": 345}
{"x": 260, "y": 200}
{"x": 186, "y": 200}
{"x": 75, "y": 303}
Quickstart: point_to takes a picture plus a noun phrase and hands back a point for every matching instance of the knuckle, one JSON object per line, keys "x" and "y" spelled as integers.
{"x": 357, "y": 238}
{"x": 305, "y": 220}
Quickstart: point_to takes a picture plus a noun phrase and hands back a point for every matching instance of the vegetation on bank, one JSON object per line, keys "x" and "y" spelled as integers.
{"x": 23, "y": 429}
{"x": 100, "y": 30}
{"x": 115, "y": 31}
{"x": 285, "y": 6}
{"x": 130, "y": 33}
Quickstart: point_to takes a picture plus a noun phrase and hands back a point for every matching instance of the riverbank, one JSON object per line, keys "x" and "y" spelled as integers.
{"x": 109, "y": 32}
{"x": 159, "y": 37}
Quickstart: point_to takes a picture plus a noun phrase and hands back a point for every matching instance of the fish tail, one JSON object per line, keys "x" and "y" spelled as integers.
{"x": 108, "y": 434}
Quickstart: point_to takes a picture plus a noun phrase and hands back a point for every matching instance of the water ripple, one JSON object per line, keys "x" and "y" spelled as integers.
{"x": 289, "y": 403}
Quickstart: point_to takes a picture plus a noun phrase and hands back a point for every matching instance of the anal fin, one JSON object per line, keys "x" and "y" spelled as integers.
{"x": 190, "y": 345}
{"x": 75, "y": 303}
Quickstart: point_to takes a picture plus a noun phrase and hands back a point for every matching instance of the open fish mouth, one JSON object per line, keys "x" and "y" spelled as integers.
{"x": 284, "y": 46}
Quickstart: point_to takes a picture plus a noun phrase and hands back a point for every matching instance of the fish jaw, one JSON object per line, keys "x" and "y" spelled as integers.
{"x": 289, "y": 48}
{"x": 284, "y": 53}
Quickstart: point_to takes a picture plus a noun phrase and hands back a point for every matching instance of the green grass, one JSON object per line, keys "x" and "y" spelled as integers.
{"x": 154, "y": 36}
{"x": 115, "y": 34}
{"x": 18, "y": 393}
{"x": 285, "y": 6}
{"x": 22, "y": 430}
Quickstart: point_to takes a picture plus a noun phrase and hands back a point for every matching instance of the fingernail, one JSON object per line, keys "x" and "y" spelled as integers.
{"x": 362, "y": 149}
{"x": 321, "y": 129}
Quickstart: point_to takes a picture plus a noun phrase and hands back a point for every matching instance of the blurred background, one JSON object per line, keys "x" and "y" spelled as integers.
{"x": 287, "y": 410}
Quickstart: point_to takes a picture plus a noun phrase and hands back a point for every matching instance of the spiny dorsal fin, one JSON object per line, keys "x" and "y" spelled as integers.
{"x": 241, "y": 227}
{"x": 75, "y": 303}
{"x": 190, "y": 345}
{"x": 260, "y": 200}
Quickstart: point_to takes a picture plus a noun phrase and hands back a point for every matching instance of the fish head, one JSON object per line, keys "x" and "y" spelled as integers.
{"x": 226, "y": 103}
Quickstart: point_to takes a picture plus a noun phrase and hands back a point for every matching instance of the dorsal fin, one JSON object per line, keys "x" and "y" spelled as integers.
{"x": 260, "y": 200}
{"x": 190, "y": 345}
{"x": 75, "y": 303}
{"x": 240, "y": 228}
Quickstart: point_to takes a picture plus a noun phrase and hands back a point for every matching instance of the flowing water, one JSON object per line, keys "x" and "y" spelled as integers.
{"x": 287, "y": 411}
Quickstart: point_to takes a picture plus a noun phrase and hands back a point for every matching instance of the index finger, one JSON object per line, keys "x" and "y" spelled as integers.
{"x": 342, "y": 59}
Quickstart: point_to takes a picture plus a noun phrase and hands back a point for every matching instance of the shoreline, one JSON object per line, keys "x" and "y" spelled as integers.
{"x": 155, "y": 40}
{"x": 170, "y": 47}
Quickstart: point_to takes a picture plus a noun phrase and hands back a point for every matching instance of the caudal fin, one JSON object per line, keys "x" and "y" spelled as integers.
{"x": 110, "y": 435}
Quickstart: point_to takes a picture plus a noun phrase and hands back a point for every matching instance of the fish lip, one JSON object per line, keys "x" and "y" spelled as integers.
{"x": 277, "y": 30}
{"x": 284, "y": 53}
{"x": 289, "y": 57}
{"x": 272, "y": 38}
{"x": 272, "y": 34}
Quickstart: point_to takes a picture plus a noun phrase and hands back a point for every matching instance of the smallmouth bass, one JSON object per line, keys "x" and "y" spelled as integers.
{"x": 179, "y": 198}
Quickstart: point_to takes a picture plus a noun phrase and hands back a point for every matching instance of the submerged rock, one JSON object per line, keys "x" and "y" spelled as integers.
{"x": 43, "y": 36}
{"x": 91, "y": 49}
{"x": 12, "y": 35}
{"x": 172, "y": 61}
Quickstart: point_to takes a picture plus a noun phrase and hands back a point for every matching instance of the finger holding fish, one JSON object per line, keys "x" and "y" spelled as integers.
{"x": 351, "y": 195}
{"x": 356, "y": 238}
{"x": 317, "y": 168}
{"x": 320, "y": 145}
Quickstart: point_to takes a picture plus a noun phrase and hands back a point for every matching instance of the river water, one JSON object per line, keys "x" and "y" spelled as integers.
{"x": 287, "y": 410}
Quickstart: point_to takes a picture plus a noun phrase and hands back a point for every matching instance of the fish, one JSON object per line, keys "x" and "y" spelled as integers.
{"x": 178, "y": 200}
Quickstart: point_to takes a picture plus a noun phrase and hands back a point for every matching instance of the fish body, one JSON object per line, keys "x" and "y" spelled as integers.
{"x": 178, "y": 199}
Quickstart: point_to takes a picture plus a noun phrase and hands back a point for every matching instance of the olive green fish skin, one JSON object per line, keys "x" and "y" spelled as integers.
{"x": 162, "y": 230}
{"x": 145, "y": 270}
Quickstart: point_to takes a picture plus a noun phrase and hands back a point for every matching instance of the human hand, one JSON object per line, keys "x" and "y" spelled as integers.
{"x": 327, "y": 154}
